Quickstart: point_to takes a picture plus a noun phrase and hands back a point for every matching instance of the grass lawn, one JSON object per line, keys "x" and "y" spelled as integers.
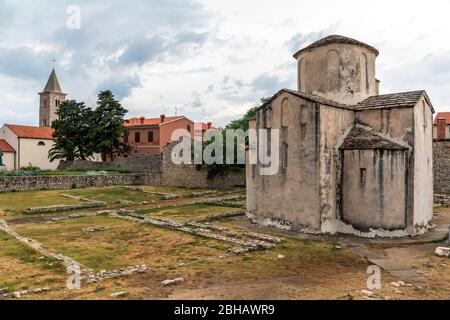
{"x": 12, "y": 204}
{"x": 112, "y": 195}
{"x": 185, "y": 213}
{"x": 22, "y": 268}
{"x": 122, "y": 244}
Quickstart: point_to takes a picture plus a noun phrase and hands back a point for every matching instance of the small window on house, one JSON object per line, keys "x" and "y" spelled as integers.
{"x": 41, "y": 143}
{"x": 126, "y": 137}
{"x": 284, "y": 155}
{"x": 45, "y": 122}
{"x": 137, "y": 137}
{"x": 150, "y": 136}
{"x": 362, "y": 176}
{"x": 189, "y": 129}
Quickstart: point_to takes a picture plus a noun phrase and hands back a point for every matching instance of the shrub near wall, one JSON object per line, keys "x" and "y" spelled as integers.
{"x": 187, "y": 176}
{"x": 8, "y": 184}
{"x": 441, "y": 161}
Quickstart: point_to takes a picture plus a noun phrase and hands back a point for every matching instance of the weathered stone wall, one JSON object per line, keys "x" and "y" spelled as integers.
{"x": 162, "y": 171}
{"x": 187, "y": 176}
{"x": 441, "y": 159}
{"x": 8, "y": 184}
{"x": 137, "y": 163}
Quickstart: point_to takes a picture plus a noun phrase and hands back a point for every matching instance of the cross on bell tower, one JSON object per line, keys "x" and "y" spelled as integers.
{"x": 50, "y": 99}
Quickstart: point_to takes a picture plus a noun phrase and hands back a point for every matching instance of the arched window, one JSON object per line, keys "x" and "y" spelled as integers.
{"x": 365, "y": 73}
{"x": 424, "y": 114}
{"x": 333, "y": 70}
{"x": 285, "y": 112}
{"x": 41, "y": 143}
{"x": 284, "y": 155}
{"x": 269, "y": 118}
{"x": 300, "y": 63}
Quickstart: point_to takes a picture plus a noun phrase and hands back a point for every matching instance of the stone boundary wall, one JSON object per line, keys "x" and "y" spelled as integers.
{"x": 441, "y": 162}
{"x": 187, "y": 176}
{"x": 149, "y": 163}
{"x": 169, "y": 174}
{"x": 8, "y": 184}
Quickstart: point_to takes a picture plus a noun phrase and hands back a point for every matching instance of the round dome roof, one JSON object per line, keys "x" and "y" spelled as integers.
{"x": 336, "y": 39}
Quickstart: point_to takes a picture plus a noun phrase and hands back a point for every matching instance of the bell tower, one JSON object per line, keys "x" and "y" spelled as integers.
{"x": 50, "y": 99}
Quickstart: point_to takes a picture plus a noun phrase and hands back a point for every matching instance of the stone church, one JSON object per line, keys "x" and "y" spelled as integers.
{"x": 352, "y": 160}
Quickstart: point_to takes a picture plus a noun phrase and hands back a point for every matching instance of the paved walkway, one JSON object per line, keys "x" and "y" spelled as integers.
{"x": 393, "y": 266}
{"x": 362, "y": 246}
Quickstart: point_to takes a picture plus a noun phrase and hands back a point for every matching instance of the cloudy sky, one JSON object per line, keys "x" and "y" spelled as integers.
{"x": 211, "y": 59}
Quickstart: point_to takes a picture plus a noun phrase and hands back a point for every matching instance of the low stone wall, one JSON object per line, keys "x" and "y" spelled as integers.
{"x": 441, "y": 161}
{"x": 8, "y": 184}
{"x": 163, "y": 171}
{"x": 136, "y": 163}
{"x": 188, "y": 176}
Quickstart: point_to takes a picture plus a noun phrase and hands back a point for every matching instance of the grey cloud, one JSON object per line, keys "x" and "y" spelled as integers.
{"x": 268, "y": 84}
{"x": 431, "y": 70}
{"x": 148, "y": 30}
{"x": 23, "y": 62}
{"x": 120, "y": 86}
{"x": 143, "y": 50}
{"x": 301, "y": 40}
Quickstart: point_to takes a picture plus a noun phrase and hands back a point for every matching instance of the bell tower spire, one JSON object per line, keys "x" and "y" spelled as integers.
{"x": 50, "y": 99}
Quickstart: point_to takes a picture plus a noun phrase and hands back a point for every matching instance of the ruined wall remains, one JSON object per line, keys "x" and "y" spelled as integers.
{"x": 441, "y": 160}
{"x": 187, "y": 176}
{"x": 8, "y": 184}
{"x": 139, "y": 162}
{"x": 164, "y": 171}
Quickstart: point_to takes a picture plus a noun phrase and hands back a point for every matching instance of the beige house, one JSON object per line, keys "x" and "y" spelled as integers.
{"x": 352, "y": 161}
{"x": 9, "y": 155}
{"x": 31, "y": 146}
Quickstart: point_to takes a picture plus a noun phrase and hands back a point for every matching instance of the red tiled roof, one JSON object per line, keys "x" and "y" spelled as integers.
{"x": 206, "y": 126}
{"x": 150, "y": 121}
{"x": 5, "y": 147}
{"x": 442, "y": 115}
{"x": 31, "y": 132}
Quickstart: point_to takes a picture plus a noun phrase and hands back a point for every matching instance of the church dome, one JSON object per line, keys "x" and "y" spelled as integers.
{"x": 338, "y": 68}
{"x": 334, "y": 38}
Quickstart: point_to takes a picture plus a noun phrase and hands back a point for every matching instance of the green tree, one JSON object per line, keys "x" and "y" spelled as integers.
{"x": 223, "y": 169}
{"x": 71, "y": 132}
{"x": 107, "y": 126}
{"x": 242, "y": 123}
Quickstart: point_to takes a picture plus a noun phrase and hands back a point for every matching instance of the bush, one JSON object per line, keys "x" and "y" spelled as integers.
{"x": 30, "y": 168}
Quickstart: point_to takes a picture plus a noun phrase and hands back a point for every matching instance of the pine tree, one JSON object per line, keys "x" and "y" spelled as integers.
{"x": 71, "y": 132}
{"x": 107, "y": 125}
